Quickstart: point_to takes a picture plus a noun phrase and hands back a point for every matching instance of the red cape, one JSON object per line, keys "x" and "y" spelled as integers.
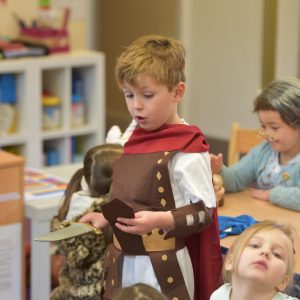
{"x": 204, "y": 247}
{"x": 172, "y": 137}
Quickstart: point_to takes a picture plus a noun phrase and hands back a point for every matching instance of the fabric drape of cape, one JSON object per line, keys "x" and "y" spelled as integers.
{"x": 204, "y": 247}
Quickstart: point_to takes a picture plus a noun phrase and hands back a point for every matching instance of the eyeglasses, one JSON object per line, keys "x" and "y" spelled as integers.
{"x": 262, "y": 133}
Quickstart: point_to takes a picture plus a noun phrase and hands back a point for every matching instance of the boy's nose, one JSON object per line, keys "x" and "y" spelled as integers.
{"x": 137, "y": 104}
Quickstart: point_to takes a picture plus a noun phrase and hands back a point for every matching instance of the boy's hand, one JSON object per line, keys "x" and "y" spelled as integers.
{"x": 260, "y": 194}
{"x": 96, "y": 219}
{"x": 216, "y": 162}
{"x": 146, "y": 221}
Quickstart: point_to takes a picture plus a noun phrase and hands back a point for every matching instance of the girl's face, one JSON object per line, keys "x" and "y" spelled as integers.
{"x": 264, "y": 261}
{"x": 151, "y": 104}
{"x": 282, "y": 137}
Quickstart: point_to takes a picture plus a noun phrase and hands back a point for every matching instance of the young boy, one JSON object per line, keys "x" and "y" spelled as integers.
{"x": 164, "y": 174}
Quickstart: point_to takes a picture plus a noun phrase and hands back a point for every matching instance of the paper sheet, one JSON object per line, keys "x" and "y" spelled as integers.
{"x": 39, "y": 184}
{"x": 10, "y": 261}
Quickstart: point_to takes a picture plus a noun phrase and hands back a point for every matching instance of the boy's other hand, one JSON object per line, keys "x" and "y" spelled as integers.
{"x": 146, "y": 221}
{"x": 216, "y": 162}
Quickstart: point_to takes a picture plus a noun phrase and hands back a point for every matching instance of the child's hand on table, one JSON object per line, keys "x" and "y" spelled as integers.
{"x": 260, "y": 194}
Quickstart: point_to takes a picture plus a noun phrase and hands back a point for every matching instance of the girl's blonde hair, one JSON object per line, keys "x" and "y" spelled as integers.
{"x": 162, "y": 58}
{"x": 237, "y": 248}
{"x": 97, "y": 172}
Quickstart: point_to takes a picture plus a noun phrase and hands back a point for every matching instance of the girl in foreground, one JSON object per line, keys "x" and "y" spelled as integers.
{"x": 259, "y": 265}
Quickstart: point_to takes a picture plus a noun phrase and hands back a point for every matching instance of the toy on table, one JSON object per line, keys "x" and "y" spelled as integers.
{"x": 218, "y": 184}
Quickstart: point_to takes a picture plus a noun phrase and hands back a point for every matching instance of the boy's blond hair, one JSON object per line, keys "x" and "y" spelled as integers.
{"x": 162, "y": 58}
{"x": 236, "y": 250}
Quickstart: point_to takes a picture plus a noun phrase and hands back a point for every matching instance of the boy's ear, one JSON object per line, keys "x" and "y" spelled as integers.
{"x": 179, "y": 91}
{"x": 283, "y": 284}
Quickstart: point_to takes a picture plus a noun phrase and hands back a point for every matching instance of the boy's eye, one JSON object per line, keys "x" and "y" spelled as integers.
{"x": 148, "y": 95}
{"x": 128, "y": 95}
{"x": 277, "y": 254}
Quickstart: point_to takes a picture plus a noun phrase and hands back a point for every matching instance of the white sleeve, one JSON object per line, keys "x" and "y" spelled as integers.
{"x": 191, "y": 179}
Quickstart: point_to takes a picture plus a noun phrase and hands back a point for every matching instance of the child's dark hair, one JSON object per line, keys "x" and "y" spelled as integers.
{"x": 97, "y": 172}
{"x": 283, "y": 96}
{"x": 139, "y": 291}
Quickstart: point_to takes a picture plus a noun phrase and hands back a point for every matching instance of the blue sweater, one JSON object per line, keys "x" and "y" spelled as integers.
{"x": 247, "y": 170}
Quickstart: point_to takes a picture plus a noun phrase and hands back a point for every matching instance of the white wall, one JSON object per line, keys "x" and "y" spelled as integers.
{"x": 288, "y": 39}
{"x": 224, "y": 40}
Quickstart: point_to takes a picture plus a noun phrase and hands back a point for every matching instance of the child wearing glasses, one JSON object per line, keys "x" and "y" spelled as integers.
{"x": 274, "y": 165}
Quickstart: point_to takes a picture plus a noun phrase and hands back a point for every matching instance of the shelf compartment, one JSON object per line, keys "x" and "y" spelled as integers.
{"x": 54, "y": 95}
{"x": 80, "y": 144}
{"x": 17, "y": 149}
{"x": 12, "y": 103}
{"x": 55, "y": 152}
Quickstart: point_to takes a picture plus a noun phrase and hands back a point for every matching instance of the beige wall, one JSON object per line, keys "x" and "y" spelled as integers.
{"x": 121, "y": 22}
{"x": 229, "y": 57}
{"x": 288, "y": 38}
{"x": 224, "y": 67}
{"x": 27, "y": 10}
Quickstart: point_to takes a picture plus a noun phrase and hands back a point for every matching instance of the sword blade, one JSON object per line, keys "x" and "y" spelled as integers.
{"x": 73, "y": 230}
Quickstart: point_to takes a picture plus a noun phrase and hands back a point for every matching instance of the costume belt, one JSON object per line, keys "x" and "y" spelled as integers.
{"x": 154, "y": 241}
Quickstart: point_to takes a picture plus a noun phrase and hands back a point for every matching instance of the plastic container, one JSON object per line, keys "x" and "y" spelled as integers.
{"x": 51, "y": 112}
{"x": 8, "y": 100}
{"x": 52, "y": 157}
{"x": 77, "y": 109}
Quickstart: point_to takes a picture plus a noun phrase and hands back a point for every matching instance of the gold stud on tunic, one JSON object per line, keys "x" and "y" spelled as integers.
{"x": 161, "y": 189}
{"x": 164, "y": 257}
{"x": 163, "y": 202}
{"x": 159, "y": 161}
{"x": 170, "y": 279}
{"x": 158, "y": 175}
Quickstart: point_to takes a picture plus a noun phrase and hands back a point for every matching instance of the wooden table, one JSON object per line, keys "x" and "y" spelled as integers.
{"x": 236, "y": 204}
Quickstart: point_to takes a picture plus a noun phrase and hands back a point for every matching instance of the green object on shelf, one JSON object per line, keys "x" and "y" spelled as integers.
{"x": 45, "y": 3}
{"x": 13, "y": 149}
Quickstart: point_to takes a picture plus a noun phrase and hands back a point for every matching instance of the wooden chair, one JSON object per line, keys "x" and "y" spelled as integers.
{"x": 241, "y": 141}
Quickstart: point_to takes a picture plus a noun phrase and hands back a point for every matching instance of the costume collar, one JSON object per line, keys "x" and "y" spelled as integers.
{"x": 171, "y": 137}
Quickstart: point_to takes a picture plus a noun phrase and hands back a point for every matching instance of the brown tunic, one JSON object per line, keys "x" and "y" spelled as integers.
{"x": 147, "y": 186}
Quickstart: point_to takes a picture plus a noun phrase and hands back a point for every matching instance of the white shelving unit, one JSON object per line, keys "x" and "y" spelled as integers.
{"x": 54, "y": 73}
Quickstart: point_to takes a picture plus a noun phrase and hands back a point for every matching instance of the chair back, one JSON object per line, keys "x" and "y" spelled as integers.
{"x": 241, "y": 141}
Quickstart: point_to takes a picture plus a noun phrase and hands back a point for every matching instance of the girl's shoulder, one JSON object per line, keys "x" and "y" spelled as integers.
{"x": 281, "y": 296}
{"x": 222, "y": 293}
